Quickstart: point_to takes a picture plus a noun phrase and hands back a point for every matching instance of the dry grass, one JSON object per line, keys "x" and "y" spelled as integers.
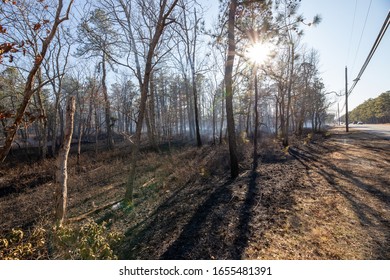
{"x": 342, "y": 207}
{"x": 329, "y": 201}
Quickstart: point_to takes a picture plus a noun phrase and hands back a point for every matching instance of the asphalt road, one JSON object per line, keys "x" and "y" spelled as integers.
{"x": 381, "y": 130}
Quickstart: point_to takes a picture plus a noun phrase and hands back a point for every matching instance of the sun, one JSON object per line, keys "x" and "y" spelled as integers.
{"x": 258, "y": 52}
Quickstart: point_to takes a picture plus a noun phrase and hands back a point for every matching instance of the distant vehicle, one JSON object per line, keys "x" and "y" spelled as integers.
{"x": 360, "y": 123}
{"x": 355, "y": 122}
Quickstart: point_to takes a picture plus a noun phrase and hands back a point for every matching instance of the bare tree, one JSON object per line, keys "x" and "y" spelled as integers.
{"x": 55, "y": 66}
{"x": 43, "y": 117}
{"x": 190, "y": 27}
{"x": 29, "y": 89}
{"x": 62, "y": 163}
{"x": 162, "y": 21}
{"x": 98, "y": 38}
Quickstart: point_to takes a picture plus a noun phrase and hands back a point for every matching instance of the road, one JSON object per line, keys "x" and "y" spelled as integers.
{"x": 381, "y": 130}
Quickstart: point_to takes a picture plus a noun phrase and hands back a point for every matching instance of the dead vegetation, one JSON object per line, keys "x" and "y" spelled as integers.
{"x": 317, "y": 200}
{"x": 342, "y": 205}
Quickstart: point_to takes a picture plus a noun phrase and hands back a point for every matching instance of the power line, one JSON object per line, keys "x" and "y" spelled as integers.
{"x": 373, "y": 49}
{"x": 370, "y": 55}
{"x": 350, "y": 38}
{"x": 361, "y": 36}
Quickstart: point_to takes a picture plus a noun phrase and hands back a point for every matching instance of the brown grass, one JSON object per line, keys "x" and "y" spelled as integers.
{"x": 342, "y": 207}
{"x": 324, "y": 199}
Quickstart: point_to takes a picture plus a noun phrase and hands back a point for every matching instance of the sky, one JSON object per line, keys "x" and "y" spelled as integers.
{"x": 337, "y": 38}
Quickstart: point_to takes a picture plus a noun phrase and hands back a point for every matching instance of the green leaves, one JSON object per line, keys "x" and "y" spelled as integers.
{"x": 90, "y": 241}
{"x": 375, "y": 110}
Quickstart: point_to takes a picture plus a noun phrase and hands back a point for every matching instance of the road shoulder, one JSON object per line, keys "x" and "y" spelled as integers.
{"x": 342, "y": 208}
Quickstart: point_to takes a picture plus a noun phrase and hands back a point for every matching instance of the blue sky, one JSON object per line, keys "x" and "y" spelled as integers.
{"x": 337, "y": 39}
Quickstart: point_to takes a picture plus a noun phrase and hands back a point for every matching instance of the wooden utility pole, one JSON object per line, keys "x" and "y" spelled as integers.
{"x": 346, "y": 100}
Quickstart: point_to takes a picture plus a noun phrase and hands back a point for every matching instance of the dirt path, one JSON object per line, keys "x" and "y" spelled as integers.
{"x": 342, "y": 208}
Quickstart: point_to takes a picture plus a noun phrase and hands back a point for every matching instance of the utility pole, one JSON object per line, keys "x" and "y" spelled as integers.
{"x": 338, "y": 112}
{"x": 346, "y": 100}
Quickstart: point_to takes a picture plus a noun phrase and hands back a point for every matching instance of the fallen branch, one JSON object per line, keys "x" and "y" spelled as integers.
{"x": 98, "y": 209}
{"x": 148, "y": 183}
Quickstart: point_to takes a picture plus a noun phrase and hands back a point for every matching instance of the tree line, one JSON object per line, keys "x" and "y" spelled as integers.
{"x": 373, "y": 110}
{"x": 154, "y": 71}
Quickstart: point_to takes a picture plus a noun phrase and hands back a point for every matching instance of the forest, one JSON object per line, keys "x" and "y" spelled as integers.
{"x": 373, "y": 111}
{"x": 118, "y": 115}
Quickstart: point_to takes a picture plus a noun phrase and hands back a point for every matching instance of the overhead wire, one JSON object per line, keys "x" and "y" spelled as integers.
{"x": 373, "y": 49}
{"x": 370, "y": 55}
{"x": 352, "y": 29}
{"x": 361, "y": 36}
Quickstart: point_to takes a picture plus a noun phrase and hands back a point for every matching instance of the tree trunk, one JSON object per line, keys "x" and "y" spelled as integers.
{"x": 276, "y": 116}
{"x": 222, "y": 118}
{"x": 97, "y": 123}
{"x": 234, "y": 170}
{"x": 150, "y": 116}
{"x": 42, "y": 118}
{"x": 110, "y": 142}
{"x": 248, "y": 124}
{"x": 62, "y": 162}
{"x": 196, "y": 111}
{"x": 181, "y": 113}
{"x": 194, "y": 86}
{"x": 214, "y": 105}
{"x": 53, "y": 150}
{"x": 189, "y": 109}
{"x": 282, "y": 115}
{"x": 144, "y": 95}
{"x": 256, "y": 122}
{"x": 289, "y": 90}
{"x": 80, "y": 134}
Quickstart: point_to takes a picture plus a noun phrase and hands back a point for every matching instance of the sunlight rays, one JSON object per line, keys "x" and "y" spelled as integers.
{"x": 258, "y": 52}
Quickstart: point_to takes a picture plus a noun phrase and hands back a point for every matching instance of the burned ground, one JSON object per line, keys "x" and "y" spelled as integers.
{"x": 327, "y": 198}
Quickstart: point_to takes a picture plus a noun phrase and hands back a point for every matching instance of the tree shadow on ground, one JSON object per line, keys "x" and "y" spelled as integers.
{"x": 210, "y": 222}
{"x": 203, "y": 236}
{"x": 367, "y": 195}
{"x": 210, "y": 218}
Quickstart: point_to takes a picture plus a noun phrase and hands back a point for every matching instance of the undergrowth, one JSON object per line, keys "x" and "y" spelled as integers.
{"x": 89, "y": 241}
{"x": 23, "y": 245}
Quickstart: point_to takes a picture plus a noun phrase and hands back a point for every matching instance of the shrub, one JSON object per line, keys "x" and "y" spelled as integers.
{"x": 90, "y": 241}
{"x": 17, "y": 245}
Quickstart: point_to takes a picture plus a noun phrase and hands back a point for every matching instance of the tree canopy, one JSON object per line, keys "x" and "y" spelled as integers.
{"x": 373, "y": 110}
